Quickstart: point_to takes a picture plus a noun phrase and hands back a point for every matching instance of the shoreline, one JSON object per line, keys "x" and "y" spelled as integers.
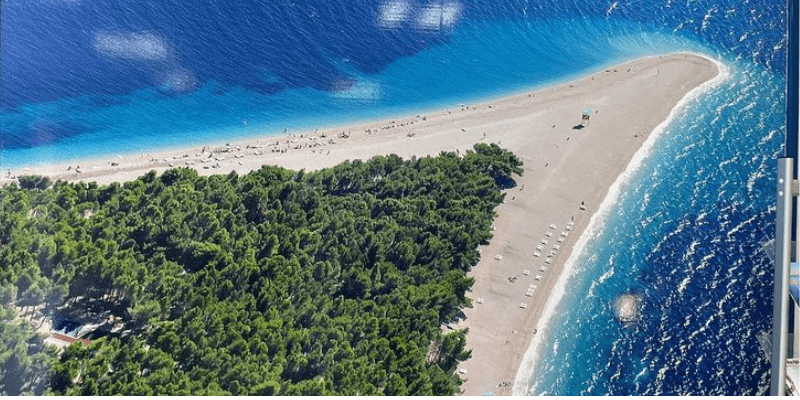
{"x": 501, "y": 330}
{"x": 57, "y": 169}
{"x": 526, "y": 369}
{"x": 568, "y": 172}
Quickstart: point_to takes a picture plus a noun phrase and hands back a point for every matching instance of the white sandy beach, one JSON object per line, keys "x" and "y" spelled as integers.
{"x": 567, "y": 175}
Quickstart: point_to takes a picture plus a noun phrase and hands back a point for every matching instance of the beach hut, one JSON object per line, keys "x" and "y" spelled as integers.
{"x": 585, "y": 116}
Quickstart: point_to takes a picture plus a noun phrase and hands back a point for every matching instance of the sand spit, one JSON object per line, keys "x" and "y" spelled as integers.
{"x": 569, "y": 169}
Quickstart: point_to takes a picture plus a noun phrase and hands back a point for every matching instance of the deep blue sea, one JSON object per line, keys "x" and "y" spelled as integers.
{"x": 89, "y": 77}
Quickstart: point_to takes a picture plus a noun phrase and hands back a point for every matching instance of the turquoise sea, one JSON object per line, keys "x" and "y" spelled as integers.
{"x": 83, "y": 78}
